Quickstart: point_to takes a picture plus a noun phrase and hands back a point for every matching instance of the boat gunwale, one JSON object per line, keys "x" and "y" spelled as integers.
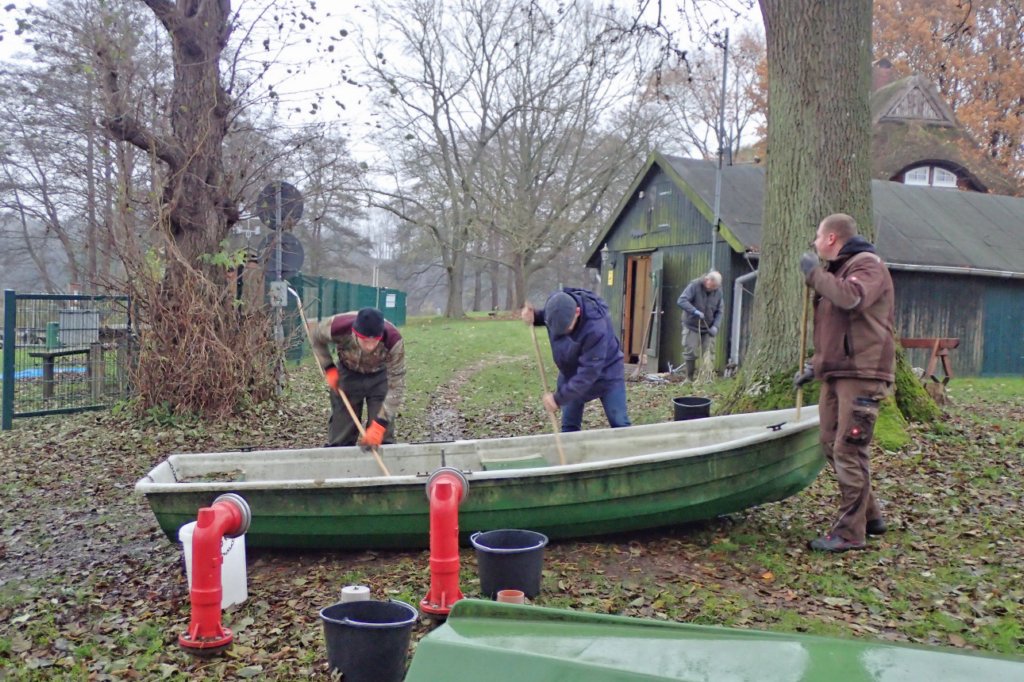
{"x": 147, "y": 486}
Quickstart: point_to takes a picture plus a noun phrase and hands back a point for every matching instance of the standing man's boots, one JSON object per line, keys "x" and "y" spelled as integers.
{"x": 690, "y": 365}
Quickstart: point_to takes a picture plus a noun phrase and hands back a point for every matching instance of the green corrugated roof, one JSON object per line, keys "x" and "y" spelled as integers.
{"x": 915, "y": 225}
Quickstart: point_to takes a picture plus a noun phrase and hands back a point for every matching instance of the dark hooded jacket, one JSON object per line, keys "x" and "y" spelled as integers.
{"x": 589, "y": 358}
{"x": 853, "y": 315}
{"x": 696, "y": 297}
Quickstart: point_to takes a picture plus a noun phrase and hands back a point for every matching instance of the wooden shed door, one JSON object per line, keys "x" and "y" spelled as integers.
{"x": 637, "y": 307}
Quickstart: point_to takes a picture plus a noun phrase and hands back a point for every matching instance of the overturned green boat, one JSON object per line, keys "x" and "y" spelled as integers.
{"x": 613, "y": 480}
{"x": 509, "y": 643}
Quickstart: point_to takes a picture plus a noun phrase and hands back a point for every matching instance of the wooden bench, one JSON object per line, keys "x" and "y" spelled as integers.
{"x": 94, "y": 365}
{"x": 939, "y": 348}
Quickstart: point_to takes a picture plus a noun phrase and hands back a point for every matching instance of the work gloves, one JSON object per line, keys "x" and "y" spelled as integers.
{"x": 805, "y": 376}
{"x": 374, "y": 433}
{"x": 332, "y": 378}
{"x": 698, "y": 314}
{"x": 808, "y": 262}
{"x": 713, "y": 330}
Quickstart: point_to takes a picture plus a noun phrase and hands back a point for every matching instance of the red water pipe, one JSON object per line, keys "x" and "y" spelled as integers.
{"x": 446, "y": 489}
{"x": 228, "y": 516}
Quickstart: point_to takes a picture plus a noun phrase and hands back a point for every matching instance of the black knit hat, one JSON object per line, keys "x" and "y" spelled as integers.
{"x": 369, "y": 323}
{"x": 559, "y": 311}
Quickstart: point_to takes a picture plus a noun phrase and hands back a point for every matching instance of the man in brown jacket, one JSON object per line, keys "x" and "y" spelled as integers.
{"x": 854, "y": 358}
{"x": 370, "y": 369}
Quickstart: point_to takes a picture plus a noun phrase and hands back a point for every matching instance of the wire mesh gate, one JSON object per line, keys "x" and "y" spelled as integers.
{"x": 63, "y": 354}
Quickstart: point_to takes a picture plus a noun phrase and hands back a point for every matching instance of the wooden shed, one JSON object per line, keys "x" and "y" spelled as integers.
{"x": 957, "y": 260}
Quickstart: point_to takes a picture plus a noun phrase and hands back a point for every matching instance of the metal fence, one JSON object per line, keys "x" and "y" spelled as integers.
{"x": 323, "y": 297}
{"x": 63, "y": 354}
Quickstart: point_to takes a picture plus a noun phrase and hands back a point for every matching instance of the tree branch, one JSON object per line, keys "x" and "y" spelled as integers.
{"x": 166, "y": 11}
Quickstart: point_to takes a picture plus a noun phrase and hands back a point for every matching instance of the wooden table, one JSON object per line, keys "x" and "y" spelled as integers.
{"x": 939, "y": 348}
{"x": 94, "y": 365}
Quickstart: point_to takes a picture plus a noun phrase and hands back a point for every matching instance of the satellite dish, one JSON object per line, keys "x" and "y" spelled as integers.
{"x": 291, "y": 204}
{"x": 292, "y": 254}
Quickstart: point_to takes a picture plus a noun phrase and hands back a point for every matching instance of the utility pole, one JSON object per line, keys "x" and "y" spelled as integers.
{"x": 721, "y": 150}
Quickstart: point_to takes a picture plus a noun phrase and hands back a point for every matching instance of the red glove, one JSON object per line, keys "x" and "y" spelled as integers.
{"x": 375, "y": 433}
{"x": 332, "y": 377}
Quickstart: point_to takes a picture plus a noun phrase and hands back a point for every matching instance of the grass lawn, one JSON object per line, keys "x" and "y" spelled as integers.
{"x": 91, "y": 590}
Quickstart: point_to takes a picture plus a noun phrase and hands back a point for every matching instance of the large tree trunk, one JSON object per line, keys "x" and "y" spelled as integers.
{"x": 196, "y": 206}
{"x": 819, "y": 70}
{"x": 199, "y": 208}
{"x": 456, "y": 278}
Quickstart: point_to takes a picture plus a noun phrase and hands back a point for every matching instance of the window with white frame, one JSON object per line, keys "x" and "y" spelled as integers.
{"x": 916, "y": 176}
{"x": 943, "y": 178}
{"x": 931, "y": 176}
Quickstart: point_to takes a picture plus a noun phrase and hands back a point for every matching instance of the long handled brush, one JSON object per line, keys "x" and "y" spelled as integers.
{"x": 803, "y": 351}
{"x": 341, "y": 393}
{"x": 544, "y": 383}
{"x": 706, "y": 372}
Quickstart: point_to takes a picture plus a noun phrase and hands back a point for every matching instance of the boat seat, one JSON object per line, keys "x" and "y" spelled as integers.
{"x": 525, "y": 462}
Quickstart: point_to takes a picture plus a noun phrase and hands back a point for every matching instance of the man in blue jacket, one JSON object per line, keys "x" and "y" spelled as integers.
{"x": 587, "y": 353}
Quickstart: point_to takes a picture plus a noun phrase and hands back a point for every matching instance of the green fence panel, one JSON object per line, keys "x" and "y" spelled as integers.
{"x": 323, "y": 297}
{"x": 63, "y": 354}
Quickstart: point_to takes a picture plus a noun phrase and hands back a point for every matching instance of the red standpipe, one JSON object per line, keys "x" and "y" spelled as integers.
{"x": 446, "y": 489}
{"x": 229, "y": 516}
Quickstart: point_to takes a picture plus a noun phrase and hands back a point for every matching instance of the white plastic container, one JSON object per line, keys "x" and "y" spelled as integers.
{"x": 232, "y": 571}
{"x": 351, "y": 593}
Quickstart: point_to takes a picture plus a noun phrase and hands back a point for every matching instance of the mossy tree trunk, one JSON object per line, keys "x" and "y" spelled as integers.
{"x": 819, "y": 142}
{"x": 818, "y": 162}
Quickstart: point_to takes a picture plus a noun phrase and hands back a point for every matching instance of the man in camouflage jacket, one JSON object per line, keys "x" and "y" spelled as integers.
{"x": 370, "y": 369}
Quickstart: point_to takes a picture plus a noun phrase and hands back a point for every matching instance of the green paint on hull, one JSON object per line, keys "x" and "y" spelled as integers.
{"x": 561, "y": 502}
{"x": 505, "y": 643}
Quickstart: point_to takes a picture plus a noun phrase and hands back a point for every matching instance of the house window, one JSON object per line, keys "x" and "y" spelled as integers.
{"x": 917, "y": 176}
{"x": 930, "y": 176}
{"x": 943, "y": 178}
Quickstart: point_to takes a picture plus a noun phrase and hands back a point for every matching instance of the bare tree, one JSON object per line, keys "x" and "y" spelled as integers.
{"x": 578, "y": 131}
{"x": 441, "y": 106}
{"x": 692, "y": 97}
{"x": 197, "y": 204}
{"x": 62, "y": 169}
{"x": 504, "y": 118}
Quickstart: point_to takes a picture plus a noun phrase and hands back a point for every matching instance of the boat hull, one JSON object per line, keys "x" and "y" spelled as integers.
{"x": 576, "y": 500}
{"x": 510, "y": 643}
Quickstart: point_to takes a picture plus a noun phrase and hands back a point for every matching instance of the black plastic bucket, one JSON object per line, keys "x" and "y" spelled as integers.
{"x": 368, "y": 641}
{"x": 509, "y": 560}
{"x": 691, "y": 408}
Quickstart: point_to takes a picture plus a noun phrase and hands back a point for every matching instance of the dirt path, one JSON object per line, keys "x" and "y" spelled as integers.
{"x": 443, "y": 415}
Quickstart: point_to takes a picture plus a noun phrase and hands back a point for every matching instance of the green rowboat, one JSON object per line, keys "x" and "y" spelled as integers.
{"x": 613, "y": 480}
{"x": 508, "y": 643}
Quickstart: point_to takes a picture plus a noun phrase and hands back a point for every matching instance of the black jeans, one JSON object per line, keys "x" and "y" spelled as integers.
{"x": 361, "y": 389}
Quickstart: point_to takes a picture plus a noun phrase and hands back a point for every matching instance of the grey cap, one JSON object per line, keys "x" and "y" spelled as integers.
{"x": 558, "y": 312}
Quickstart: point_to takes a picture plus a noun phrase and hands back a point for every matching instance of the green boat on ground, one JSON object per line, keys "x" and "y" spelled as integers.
{"x": 613, "y": 480}
{"x": 511, "y": 643}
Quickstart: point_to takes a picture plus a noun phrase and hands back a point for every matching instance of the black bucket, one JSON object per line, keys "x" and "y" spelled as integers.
{"x": 368, "y": 641}
{"x": 509, "y": 560}
{"x": 691, "y": 408}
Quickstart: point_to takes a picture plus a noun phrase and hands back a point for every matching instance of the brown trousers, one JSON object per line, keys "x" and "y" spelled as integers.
{"x": 360, "y": 389}
{"x": 848, "y": 409}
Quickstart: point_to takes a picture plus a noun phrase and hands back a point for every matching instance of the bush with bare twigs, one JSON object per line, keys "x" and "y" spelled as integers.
{"x": 201, "y": 350}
